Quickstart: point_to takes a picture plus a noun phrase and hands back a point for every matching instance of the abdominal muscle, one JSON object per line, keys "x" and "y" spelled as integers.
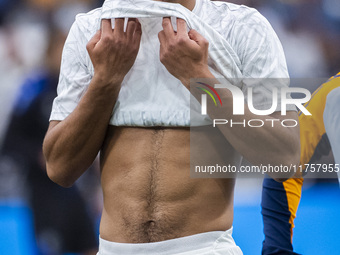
{"x": 148, "y": 193}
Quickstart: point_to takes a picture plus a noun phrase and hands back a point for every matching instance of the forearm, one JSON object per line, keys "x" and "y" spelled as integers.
{"x": 271, "y": 143}
{"x": 71, "y": 146}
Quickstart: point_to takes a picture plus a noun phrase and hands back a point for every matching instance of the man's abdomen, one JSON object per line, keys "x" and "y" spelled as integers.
{"x": 148, "y": 193}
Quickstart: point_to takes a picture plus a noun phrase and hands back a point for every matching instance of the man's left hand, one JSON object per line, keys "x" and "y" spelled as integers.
{"x": 184, "y": 54}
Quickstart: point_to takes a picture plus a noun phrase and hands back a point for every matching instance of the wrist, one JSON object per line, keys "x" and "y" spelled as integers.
{"x": 204, "y": 73}
{"x": 199, "y": 73}
{"x": 103, "y": 80}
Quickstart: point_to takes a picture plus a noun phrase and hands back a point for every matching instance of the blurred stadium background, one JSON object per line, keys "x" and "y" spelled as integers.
{"x": 38, "y": 217}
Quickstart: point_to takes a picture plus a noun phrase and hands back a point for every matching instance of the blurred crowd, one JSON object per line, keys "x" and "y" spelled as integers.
{"x": 32, "y": 34}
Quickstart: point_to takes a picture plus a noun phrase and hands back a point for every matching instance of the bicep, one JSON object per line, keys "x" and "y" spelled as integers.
{"x": 52, "y": 125}
{"x": 47, "y": 138}
{"x": 290, "y": 121}
{"x": 291, "y": 115}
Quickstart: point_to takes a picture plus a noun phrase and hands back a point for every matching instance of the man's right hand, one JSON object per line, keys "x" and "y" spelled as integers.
{"x": 113, "y": 51}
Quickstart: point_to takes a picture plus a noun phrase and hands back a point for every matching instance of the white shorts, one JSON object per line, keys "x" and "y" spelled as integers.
{"x": 210, "y": 243}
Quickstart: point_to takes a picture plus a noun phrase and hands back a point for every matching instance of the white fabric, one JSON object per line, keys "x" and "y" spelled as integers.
{"x": 210, "y": 243}
{"x": 242, "y": 45}
{"x": 331, "y": 118}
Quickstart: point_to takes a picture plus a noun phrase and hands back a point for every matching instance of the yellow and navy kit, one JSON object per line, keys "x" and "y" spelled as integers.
{"x": 280, "y": 200}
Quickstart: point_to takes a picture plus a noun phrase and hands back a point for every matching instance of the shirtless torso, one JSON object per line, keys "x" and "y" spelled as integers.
{"x": 148, "y": 193}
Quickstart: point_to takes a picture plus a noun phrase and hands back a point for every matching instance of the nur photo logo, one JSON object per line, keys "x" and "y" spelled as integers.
{"x": 240, "y": 101}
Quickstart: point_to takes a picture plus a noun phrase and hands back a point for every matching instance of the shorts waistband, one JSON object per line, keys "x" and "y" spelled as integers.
{"x": 172, "y": 246}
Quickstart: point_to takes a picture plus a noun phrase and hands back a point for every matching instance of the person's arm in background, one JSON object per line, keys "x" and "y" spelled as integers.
{"x": 280, "y": 201}
{"x": 331, "y": 119}
{"x": 279, "y": 204}
{"x": 71, "y": 145}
